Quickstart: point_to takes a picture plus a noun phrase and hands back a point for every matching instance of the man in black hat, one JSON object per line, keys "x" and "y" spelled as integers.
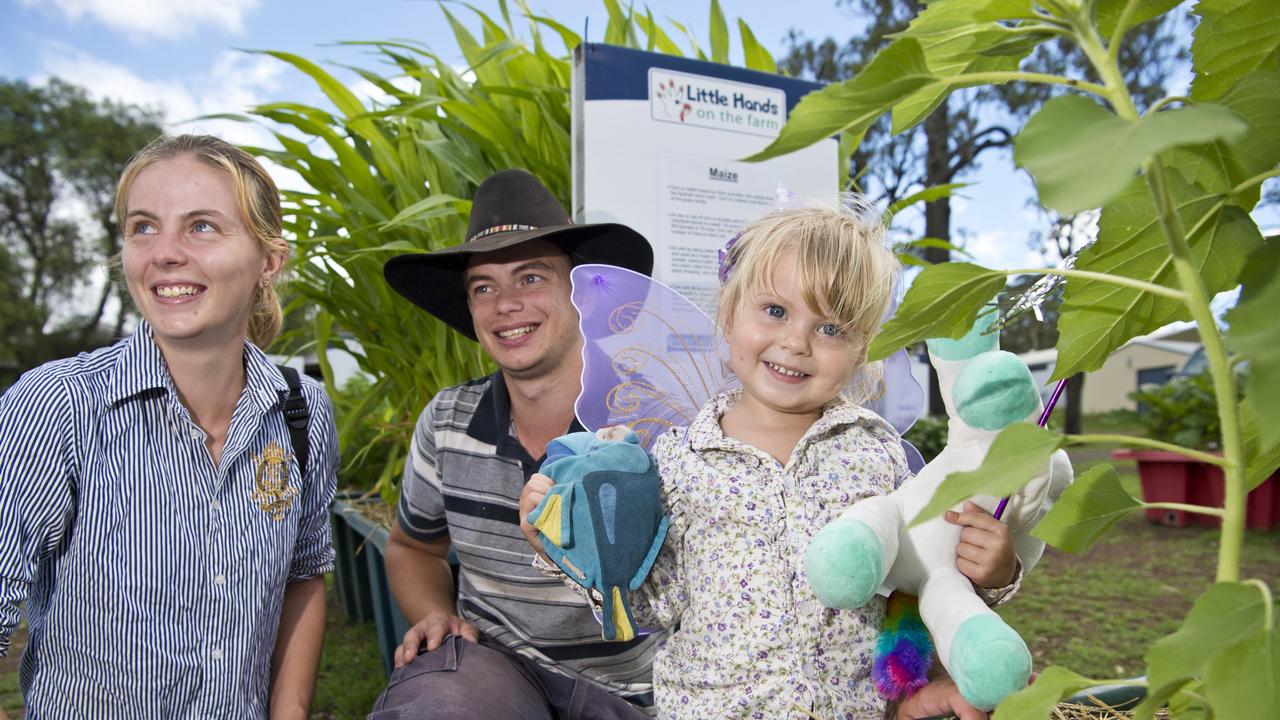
{"x": 516, "y": 643}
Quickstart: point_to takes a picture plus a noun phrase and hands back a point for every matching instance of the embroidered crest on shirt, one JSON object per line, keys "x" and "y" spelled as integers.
{"x": 272, "y": 491}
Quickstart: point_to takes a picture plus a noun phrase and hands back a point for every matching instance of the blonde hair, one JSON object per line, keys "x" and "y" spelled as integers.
{"x": 846, "y": 272}
{"x": 256, "y": 195}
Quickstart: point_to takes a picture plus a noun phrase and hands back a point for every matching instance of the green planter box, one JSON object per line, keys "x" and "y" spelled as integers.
{"x": 350, "y": 579}
{"x": 361, "y": 577}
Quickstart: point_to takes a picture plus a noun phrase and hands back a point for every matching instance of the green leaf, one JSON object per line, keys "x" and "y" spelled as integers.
{"x": 1261, "y": 460}
{"x": 1081, "y": 155}
{"x": 1242, "y": 681}
{"x": 421, "y": 208}
{"x": 1187, "y": 703}
{"x": 1254, "y": 333}
{"x": 658, "y": 37}
{"x": 942, "y": 301}
{"x": 1086, "y": 510}
{"x": 1220, "y": 166}
{"x": 1233, "y": 39}
{"x": 1097, "y": 318}
{"x": 958, "y": 39}
{"x": 570, "y": 38}
{"x": 1224, "y": 615}
{"x": 853, "y": 105}
{"x": 1038, "y": 698}
{"x": 693, "y": 39}
{"x": 1018, "y": 453}
{"x": 928, "y": 194}
{"x": 756, "y": 55}
{"x": 615, "y": 33}
{"x": 1107, "y": 13}
{"x": 719, "y": 34}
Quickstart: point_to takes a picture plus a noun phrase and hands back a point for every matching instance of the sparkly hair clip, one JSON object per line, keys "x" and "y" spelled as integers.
{"x": 726, "y": 265}
{"x": 784, "y": 199}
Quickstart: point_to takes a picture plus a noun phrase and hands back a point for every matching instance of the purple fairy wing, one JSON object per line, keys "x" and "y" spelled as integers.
{"x": 650, "y": 357}
{"x": 902, "y": 400}
{"x": 899, "y": 399}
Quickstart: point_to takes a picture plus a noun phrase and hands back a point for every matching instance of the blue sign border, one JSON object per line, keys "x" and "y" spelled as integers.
{"x": 619, "y": 73}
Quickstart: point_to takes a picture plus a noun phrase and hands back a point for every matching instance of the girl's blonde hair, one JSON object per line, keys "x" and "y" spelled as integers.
{"x": 256, "y": 195}
{"x": 846, "y": 272}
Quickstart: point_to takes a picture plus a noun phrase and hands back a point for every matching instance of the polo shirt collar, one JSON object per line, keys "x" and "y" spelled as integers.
{"x": 492, "y": 422}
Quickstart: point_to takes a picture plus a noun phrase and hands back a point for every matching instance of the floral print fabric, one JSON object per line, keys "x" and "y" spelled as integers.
{"x": 753, "y": 640}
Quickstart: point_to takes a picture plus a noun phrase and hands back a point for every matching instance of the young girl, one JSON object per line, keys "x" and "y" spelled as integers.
{"x": 764, "y": 467}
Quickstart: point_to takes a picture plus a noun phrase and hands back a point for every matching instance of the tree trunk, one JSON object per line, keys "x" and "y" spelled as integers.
{"x": 91, "y": 323}
{"x": 937, "y": 214}
{"x": 1075, "y": 403}
{"x": 109, "y": 251}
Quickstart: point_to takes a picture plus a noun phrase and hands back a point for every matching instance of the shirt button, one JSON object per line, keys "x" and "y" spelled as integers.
{"x": 196, "y": 434}
{"x": 220, "y": 580}
{"x": 215, "y": 506}
{"x": 216, "y": 653}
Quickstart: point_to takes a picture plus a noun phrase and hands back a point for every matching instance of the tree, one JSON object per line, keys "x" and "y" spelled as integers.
{"x": 967, "y": 123}
{"x": 60, "y": 156}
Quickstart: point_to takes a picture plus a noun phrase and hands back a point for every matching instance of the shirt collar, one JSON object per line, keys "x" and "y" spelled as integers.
{"x": 263, "y": 382}
{"x": 493, "y": 412}
{"x": 704, "y": 432}
{"x": 140, "y": 367}
{"x": 491, "y": 423}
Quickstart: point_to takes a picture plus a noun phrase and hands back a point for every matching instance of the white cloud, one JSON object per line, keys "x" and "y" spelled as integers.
{"x": 235, "y": 82}
{"x": 1001, "y": 249}
{"x": 161, "y": 18}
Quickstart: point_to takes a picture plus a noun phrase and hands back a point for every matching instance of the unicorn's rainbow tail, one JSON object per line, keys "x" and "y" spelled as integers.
{"x": 904, "y": 651}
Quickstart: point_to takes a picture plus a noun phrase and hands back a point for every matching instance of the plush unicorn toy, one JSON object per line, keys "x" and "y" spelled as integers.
{"x": 870, "y": 548}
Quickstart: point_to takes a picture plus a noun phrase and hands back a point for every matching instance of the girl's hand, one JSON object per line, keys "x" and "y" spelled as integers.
{"x": 985, "y": 553}
{"x": 939, "y": 697}
{"x": 530, "y": 496}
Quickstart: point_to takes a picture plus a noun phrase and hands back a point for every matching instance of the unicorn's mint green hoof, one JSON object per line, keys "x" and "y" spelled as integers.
{"x": 844, "y": 564}
{"x": 989, "y": 661}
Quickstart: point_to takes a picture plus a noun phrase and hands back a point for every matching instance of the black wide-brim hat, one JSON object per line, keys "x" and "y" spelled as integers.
{"x": 510, "y": 207}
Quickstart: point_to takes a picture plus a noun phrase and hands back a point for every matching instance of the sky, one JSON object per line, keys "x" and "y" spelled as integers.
{"x": 188, "y": 58}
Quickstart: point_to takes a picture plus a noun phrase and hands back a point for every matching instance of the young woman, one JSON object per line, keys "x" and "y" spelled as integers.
{"x": 154, "y": 515}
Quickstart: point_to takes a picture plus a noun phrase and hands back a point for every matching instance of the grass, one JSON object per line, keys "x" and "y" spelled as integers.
{"x": 351, "y": 673}
{"x": 1097, "y": 613}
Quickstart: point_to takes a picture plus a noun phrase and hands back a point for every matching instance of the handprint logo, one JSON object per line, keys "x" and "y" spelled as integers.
{"x": 670, "y": 98}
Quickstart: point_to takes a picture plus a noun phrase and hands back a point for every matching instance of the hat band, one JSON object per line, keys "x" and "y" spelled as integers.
{"x": 500, "y": 228}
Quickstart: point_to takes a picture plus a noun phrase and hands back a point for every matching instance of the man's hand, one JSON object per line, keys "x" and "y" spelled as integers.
{"x": 939, "y": 697}
{"x": 985, "y": 553}
{"x": 429, "y": 634}
{"x": 534, "y": 490}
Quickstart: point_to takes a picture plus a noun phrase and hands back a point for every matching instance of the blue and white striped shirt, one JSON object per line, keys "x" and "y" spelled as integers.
{"x": 153, "y": 579}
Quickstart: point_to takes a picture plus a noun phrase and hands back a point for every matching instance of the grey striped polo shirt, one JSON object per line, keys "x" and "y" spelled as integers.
{"x": 463, "y": 481}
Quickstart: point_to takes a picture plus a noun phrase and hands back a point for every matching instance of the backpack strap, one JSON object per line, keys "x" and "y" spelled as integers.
{"x": 297, "y": 415}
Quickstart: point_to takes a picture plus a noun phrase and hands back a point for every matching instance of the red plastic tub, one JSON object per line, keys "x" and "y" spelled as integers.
{"x": 1173, "y": 478}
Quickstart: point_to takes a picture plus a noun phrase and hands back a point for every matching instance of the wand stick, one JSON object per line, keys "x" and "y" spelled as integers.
{"x": 1044, "y": 420}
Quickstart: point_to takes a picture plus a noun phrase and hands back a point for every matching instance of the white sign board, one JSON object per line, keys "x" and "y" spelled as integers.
{"x": 656, "y": 145}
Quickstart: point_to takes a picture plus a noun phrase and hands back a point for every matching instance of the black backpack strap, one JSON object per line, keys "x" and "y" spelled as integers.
{"x": 297, "y": 415}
